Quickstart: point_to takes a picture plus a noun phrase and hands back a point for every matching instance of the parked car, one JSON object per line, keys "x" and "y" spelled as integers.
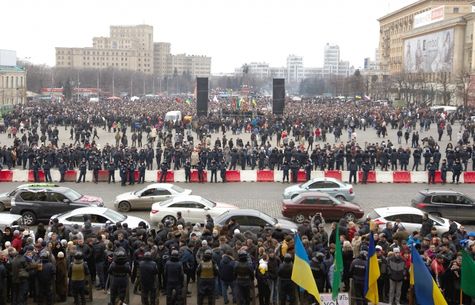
{"x": 41, "y": 204}
{"x": 306, "y": 204}
{"x": 98, "y": 217}
{"x": 144, "y": 198}
{"x": 254, "y": 221}
{"x": 332, "y": 186}
{"x": 6, "y": 198}
{"x": 411, "y": 218}
{"x": 446, "y": 203}
{"x": 10, "y": 220}
{"x": 193, "y": 209}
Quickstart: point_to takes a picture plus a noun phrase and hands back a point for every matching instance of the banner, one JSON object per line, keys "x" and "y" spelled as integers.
{"x": 343, "y": 299}
{"x": 429, "y": 53}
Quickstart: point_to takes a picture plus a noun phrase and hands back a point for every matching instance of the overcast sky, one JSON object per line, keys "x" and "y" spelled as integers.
{"x": 231, "y": 32}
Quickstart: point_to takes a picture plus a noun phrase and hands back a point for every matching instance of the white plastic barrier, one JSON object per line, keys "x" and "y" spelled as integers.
{"x": 318, "y": 174}
{"x": 384, "y": 177}
{"x": 248, "y": 176}
{"x": 151, "y": 176}
{"x": 20, "y": 175}
{"x": 345, "y": 176}
{"x": 278, "y": 175}
{"x": 179, "y": 176}
{"x": 419, "y": 177}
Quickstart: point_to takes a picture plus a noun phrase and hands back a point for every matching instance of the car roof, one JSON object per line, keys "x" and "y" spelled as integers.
{"x": 37, "y": 185}
{"x": 445, "y": 192}
{"x": 388, "y": 211}
{"x": 60, "y": 189}
{"x": 325, "y": 179}
{"x": 156, "y": 185}
{"x": 186, "y": 198}
{"x": 246, "y": 212}
{"x": 87, "y": 210}
{"x": 314, "y": 193}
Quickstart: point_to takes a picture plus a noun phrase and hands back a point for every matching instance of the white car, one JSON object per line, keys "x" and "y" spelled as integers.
{"x": 98, "y": 216}
{"x": 144, "y": 198}
{"x": 193, "y": 209}
{"x": 411, "y": 218}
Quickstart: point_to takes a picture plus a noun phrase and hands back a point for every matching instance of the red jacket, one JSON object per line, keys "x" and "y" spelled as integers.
{"x": 16, "y": 243}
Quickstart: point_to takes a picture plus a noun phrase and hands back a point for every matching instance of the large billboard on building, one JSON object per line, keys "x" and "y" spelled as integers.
{"x": 7, "y": 58}
{"x": 428, "y": 17}
{"x": 429, "y": 53}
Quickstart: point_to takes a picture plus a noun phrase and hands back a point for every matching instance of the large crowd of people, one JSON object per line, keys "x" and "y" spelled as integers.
{"x": 322, "y": 132}
{"x": 54, "y": 262}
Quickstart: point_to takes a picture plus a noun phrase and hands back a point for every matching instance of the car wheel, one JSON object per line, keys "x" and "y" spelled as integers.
{"x": 350, "y": 217}
{"x": 293, "y": 196}
{"x": 2, "y": 207}
{"x": 170, "y": 218}
{"x": 340, "y": 197}
{"x": 124, "y": 206}
{"x": 29, "y": 218}
{"x": 299, "y": 218}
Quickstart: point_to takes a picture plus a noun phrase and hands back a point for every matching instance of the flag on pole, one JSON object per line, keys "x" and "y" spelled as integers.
{"x": 426, "y": 290}
{"x": 372, "y": 273}
{"x": 301, "y": 272}
{"x": 337, "y": 265}
{"x": 188, "y": 101}
{"x": 467, "y": 281}
{"x": 254, "y": 103}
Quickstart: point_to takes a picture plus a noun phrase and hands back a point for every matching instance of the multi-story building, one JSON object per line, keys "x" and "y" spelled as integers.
{"x": 12, "y": 80}
{"x": 332, "y": 65}
{"x": 259, "y": 70}
{"x": 161, "y": 52}
{"x": 127, "y": 48}
{"x": 131, "y": 48}
{"x": 295, "y": 70}
{"x": 412, "y": 20}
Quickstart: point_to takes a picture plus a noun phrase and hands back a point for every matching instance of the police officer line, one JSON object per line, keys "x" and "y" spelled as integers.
{"x": 242, "y": 176}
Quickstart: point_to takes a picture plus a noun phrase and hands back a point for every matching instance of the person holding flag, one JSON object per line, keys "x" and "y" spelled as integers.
{"x": 337, "y": 265}
{"x": 372, "y": 272}
{"x": 467, "y": 279}
{"x": 426, "y": 290}
{"x": 301, "y": 271}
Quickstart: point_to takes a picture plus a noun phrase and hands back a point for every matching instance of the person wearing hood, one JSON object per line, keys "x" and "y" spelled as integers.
{"x": 226, "y": 269}
{"x": 148, "y": 279}
{"x": 45, "y": 276}
{"x": 174, "y": 277}
{"x": 243, "y": 277}
{"x": 263, "y": 281}
{"x": 61, "y": 277}
{"x": 78, "y": 273}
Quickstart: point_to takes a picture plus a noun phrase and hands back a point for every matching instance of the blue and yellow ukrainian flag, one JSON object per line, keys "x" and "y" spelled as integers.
{"x": 301, "y": 272}
{"x": 426, "y": 289}
{"x": 372, "y": 273}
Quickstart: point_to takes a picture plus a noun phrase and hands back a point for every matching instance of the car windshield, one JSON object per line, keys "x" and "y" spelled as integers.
{"x": 114, "y": 216}
{"x": 436, "y": 218}
{"x": 219, "y": 218}
{"x": 373, "y": 215}
{"x": 269, "y": 219}
{"x": 177, "y": 189}
{"x": 208, "y": 203}
{"x": 72, "y": 195}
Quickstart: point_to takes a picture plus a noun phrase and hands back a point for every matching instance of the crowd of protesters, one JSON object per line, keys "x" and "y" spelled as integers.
{"x": 323, "y": 133}
{"x": 54, "y": 262}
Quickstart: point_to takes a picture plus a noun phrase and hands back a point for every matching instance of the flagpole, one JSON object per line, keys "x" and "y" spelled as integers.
{"x": 461, "y": 296}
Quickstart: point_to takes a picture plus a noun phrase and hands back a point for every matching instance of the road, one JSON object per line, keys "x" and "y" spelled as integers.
{"x": 265, "y": 197}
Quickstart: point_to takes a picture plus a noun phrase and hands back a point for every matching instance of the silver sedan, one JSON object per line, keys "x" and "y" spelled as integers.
{"x": 144, "y": 198}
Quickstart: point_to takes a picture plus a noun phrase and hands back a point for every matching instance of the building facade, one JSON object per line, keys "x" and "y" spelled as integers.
{"x": 131, "y": 48}
{"x": 407, "y": 21}
{"x": 12, "y": 80}
{"x": 295, "y": 69}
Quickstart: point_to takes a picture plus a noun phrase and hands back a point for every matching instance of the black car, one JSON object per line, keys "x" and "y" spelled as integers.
{"x": 41, "y": 204}
{"x": 254, "y": 221}
{"x": 446, "y": 203}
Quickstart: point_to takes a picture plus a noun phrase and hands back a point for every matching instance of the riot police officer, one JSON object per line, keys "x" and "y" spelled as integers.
{"x": 82, "y": 171}
{"x": 244, "y": 277}
{"x": 164, "y": 172}
{"x": 148, "y": 278}
{"x": 207, "y": 273}
{"x": 111, "y": 169}
{"x": 187, "y": 171}
{"x": 119, "y": 272}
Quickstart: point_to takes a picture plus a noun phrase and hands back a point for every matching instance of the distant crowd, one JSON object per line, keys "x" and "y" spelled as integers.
{"x": 323, "y": 133}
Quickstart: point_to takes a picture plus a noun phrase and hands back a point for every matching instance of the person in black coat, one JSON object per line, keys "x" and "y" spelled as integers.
{"x": 164, "y": 172}
{"x": 187, "y": 167}
{"x": 285, "y": 170}
{"x": 431, "y": 171}
{"x": 174, "y": 277}
{"x": 46, "y": 279}
{"x": 47, "y": 171}
{"x": 62, "y": 167}
{"x": 82, "y": 171}
{"x": 353, "y": 168}
{"x": 456, "y": 171}
{"x": 148, "y": 279}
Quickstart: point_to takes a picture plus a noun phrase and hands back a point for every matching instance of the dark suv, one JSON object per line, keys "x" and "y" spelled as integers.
{"x": 446, "y": 203}
{"x": 41, "y": 204}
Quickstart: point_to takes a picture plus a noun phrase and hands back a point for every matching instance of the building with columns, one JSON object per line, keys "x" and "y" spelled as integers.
{"x": 12, "y": 80}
